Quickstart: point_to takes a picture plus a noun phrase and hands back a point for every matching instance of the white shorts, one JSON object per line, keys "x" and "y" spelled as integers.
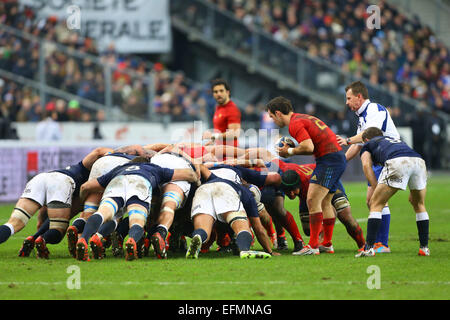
{"x": 215, "y": 199}
{"x": 404, "y": 171}
{"x": 105, "y": 164}
{"x": 170, "y": 161}
{"x": 127, "y": 186}
{"x": 50, "y": 186}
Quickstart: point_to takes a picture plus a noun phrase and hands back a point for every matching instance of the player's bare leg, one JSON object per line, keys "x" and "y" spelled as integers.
{"x": 137, "y": 218}
{"x": 203, "y": 224}
{"x": 417, "y": 200}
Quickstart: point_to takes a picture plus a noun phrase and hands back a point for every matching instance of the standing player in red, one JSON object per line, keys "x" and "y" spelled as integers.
{"x": 313, "y": 137}
{"x": 227, "y": 117}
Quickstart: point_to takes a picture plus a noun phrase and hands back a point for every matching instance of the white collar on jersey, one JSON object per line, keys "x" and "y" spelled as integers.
{"x": 363, "y": 107}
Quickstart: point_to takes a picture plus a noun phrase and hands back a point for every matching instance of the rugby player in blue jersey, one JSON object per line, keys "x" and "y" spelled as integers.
{"x": 56, "y": 190}
{"x": 130, "y": 187}
{"x": 402, "y": 167}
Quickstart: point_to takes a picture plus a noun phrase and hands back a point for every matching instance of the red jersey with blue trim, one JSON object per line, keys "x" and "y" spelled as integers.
{"x": 225, "y": 115}
{"x": 304, "y": 126}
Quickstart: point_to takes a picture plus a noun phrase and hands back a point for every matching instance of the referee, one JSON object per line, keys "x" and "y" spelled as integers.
{"x": 370, "y": 114}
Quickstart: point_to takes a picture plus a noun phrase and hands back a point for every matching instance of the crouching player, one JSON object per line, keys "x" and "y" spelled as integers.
{"x": 130, "y": 187}
{"x": 223, "y": 197}
{"x": 402, "y": 167}
{"x": 54, "y": 189}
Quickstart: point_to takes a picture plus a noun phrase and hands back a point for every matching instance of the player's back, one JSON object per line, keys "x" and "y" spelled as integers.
{"x": 304, "y": 126}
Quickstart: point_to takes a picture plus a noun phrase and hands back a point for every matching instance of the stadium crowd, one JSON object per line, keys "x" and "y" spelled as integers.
{"x": 403, "y": 55}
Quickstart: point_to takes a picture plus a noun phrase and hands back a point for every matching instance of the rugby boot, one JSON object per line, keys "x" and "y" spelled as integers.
{"x": 130, "y": 250}
{"x": 159, "y": 245}
{"x": 96, "y": 244}
{"x": 307, "y": 251}
{"x": 27, "y": 247}
{"x": 41, "y": 248}
{"x": 424, "y": 251}
{"x": 72, "y": 238}
{"x": 116, "y": 244}
{"x": 82, "y": 250}
{"x": 194, "y": 247}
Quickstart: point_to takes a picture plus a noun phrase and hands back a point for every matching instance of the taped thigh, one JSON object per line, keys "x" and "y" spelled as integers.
{"x": 235, "y": 216}
{"x": 90, "y": 207}
{"x": 340, "y": 203}
{"x": 21, "y": 214}
{"x": 111, "y": 204}
{"x": 173, "y": 196}
{"x": 59, "y": 223}
{"x": 138, "y": 213}
{"x": 58, "y": 205}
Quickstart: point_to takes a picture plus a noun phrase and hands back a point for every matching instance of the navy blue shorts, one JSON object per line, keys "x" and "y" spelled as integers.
{"x": 377, "y": 170}
{"x": 329, "y": 170}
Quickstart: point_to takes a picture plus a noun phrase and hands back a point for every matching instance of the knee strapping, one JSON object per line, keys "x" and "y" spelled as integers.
{"x": 21, "y": 214}
{"x": 90, "y": 207}
{"x": 173, "y": 197}
{"x": 232, "y": 217}
{"x": 111, "y": 204}
{"x": 341, "y": 203}
{"x": 59, "y": 223}
{"x": 137, "y": 214}
{"x": 58, "y": 205}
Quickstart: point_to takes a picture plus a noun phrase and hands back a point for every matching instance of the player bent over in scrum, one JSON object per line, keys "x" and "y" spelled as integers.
{"x": 54, "y": 189}
{"x": 223, "y": 197}
{"x": 130, "y": 187}
{"x": 100, "y": 167}
{"x": 402, "y": 167}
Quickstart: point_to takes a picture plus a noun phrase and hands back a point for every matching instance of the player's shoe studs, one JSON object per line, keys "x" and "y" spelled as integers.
{"x": 72, "y": 238}
{"x": 27, "y": 247}
{"x": 42, "y": 251}
{"x": 424, "y": 251}
{"x": 130, "y": 250}
{"x": 307, "y": 251}
{"x": 97, "y": 247}
{"x": 159, "y": 245}
{"x": 194, "y": 247}
{"x": 254, "y": 255}
{"x": 116, "y": 244}
{"x": 366, "y": 253}
{"x": 82, "y": 251}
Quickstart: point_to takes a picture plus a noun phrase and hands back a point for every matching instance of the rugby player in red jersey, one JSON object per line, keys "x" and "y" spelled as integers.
{"x": 227, "y": 117}
{"x": 314, "y": 138}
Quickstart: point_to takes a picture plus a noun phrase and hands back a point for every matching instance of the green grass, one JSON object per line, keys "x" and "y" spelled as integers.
{"x": 403, "y": 274}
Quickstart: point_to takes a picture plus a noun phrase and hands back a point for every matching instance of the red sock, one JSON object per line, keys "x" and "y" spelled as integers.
{"x": 291, "y": 227}
{"x": 315, "y": 224}
{"x": 358, "y": 235}
{"x": 269, "y": 228}
{"x": 328, "y": 226}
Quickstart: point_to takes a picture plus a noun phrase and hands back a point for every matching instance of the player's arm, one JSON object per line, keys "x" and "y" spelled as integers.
{"x": 353, "y": 151}
{"x": 135, "y": 150}
{"x": 91, "y": 186}
{"x": 156, "y": 146}
{"x": 306, "y": 147}
{"x": 95, "y": 154}
{"x": 184, "y": 175}
{"x": 366, "y": 159}
{"x": 246, "y": 163}
{"x": 261, "y": 234}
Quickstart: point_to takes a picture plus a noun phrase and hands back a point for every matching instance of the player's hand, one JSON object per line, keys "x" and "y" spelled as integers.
{"x": 341, "y": 141}
{"x": 283, "y": 151}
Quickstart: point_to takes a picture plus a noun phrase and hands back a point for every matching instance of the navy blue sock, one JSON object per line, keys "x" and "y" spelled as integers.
{"x": 44, "y": 227}
{"x": 383, "y": 232}
{"x": 123, "y": 227}
{"x": 244, "y": 240}
{"x": 202, "y": 233}
{"x": 423, "y": 229}
{"x": 79, "y": 223}
{"x": 52, "y": 236}
{"x": 162, "y": 231}
{"x": 136, "y": 232}
{"x": 107, "y": 228}
{"x": 373, "y": 225}
{"x": 5, "y": 233}
{"x": 92, "y": 225}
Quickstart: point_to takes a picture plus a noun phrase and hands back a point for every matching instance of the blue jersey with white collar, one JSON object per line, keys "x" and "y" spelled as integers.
{"x": 78, "y": 172}
{"x": 386, "y": 148}
{"x": 152, "y": 172}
